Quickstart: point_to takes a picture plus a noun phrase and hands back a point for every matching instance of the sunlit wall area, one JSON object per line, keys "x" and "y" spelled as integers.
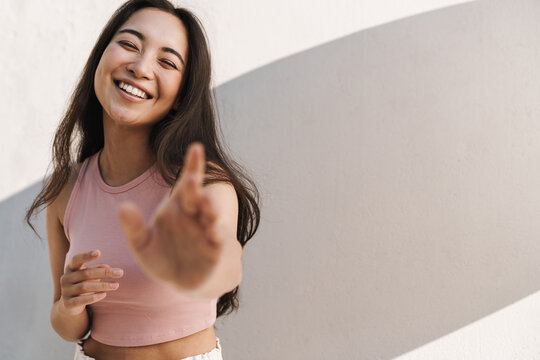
{"x": 510, "y": 333}
{"x": 46, "y": 45}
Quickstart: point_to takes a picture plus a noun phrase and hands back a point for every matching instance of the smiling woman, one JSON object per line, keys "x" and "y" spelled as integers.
{"x": 140, "y": 47}
{"x": 151, "y": 194}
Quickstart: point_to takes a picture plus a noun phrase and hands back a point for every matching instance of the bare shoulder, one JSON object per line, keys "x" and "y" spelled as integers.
{"x": 59, "y": 205}
{"x": 223, "y": 191}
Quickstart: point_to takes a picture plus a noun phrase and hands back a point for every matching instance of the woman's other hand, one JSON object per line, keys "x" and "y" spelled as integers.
{"x": 81, "y": 285}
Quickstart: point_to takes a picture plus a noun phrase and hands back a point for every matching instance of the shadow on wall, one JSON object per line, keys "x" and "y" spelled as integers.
{"x": 399, "y": 175}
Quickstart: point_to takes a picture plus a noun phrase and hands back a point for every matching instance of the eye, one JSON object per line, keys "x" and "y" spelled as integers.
{"x": 168, "y": 63}
{"x": 127, "y": 44}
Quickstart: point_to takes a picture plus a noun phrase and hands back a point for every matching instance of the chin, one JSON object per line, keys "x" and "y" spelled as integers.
{"x": 123, "y": 117}
{"x": 132, "y": 121}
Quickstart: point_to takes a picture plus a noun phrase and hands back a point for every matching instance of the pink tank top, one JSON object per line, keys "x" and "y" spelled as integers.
{"x": 142, "y": 311}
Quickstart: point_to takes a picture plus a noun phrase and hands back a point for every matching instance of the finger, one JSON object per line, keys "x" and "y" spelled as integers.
{"x": 94, "y": 274}
{"x": 193, "y": 230}
{"x": 194, "y": 159}
{"x": 188, "y": 188}
{"x": 97, "y": 266}
{"x": 78, "y": 260}
{"x": 190, "y": 184}
{"x": 89, "y": 287}
{"x": 208, "y": 210}
{"x": 133, "y": 226}
{"x": 214, "y": 235}
{"x": 85, "y": 299}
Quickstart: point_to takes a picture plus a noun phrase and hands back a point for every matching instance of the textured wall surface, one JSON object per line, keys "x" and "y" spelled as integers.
{"x": 46, "y": 44}
{"x": 398, "y": 167}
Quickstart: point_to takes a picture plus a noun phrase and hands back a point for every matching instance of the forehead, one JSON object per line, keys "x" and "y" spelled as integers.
{"x": 159, "y": 27}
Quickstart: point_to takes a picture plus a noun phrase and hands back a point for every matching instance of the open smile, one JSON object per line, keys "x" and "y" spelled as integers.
{"x": 131, "y": 92}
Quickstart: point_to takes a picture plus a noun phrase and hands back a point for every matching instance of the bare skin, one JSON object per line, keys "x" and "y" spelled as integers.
{"x": 198, "y": 343}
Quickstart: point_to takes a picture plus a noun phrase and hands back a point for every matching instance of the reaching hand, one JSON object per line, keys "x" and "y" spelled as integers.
{"x": 181, "y": 245}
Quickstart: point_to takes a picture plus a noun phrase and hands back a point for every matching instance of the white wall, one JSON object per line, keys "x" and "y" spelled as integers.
{"x": 398, "y": 166}
{"x": 48, "y": 43}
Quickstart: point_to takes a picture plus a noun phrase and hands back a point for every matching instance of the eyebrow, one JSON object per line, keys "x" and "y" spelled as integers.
{"x": 141, "y": 37}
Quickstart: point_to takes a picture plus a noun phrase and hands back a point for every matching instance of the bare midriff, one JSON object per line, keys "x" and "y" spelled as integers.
{"x": 199, "y": 343}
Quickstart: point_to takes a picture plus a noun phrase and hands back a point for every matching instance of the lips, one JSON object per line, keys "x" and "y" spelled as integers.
{"x": 133, "y": 89}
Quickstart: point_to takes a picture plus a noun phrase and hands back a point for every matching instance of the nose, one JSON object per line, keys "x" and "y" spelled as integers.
{"x": 141, "y": 67}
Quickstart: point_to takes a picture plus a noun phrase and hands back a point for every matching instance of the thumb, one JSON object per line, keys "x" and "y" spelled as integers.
{"x": 132, "y": 224}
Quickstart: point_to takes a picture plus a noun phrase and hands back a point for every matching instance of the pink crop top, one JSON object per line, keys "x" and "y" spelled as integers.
{"x": 142, "y": 311}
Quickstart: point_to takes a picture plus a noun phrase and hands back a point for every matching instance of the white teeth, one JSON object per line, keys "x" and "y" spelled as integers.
{"x": 132, "y": 90}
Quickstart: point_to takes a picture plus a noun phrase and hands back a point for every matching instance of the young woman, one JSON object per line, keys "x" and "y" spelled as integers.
{"x": 146, "y": 227}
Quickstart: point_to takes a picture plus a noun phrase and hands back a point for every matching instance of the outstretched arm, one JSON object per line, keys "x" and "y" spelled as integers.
{"x": 190, "y": 241}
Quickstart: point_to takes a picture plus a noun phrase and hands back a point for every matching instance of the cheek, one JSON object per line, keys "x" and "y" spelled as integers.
{"x": 171, "y": 87}
{"x": 98, "y": 83}
{"x": 101, "y": 71}
{"x": 111, "y": 57}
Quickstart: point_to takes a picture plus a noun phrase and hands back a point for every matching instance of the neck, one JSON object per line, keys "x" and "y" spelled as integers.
{"x": 126, "y": 154}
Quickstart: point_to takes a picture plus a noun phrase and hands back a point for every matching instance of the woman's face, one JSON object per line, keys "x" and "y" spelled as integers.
{"x": 147, "y": 53}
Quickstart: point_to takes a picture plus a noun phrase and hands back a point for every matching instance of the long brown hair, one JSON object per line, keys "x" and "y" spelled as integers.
{"x": 194, "y": 120}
